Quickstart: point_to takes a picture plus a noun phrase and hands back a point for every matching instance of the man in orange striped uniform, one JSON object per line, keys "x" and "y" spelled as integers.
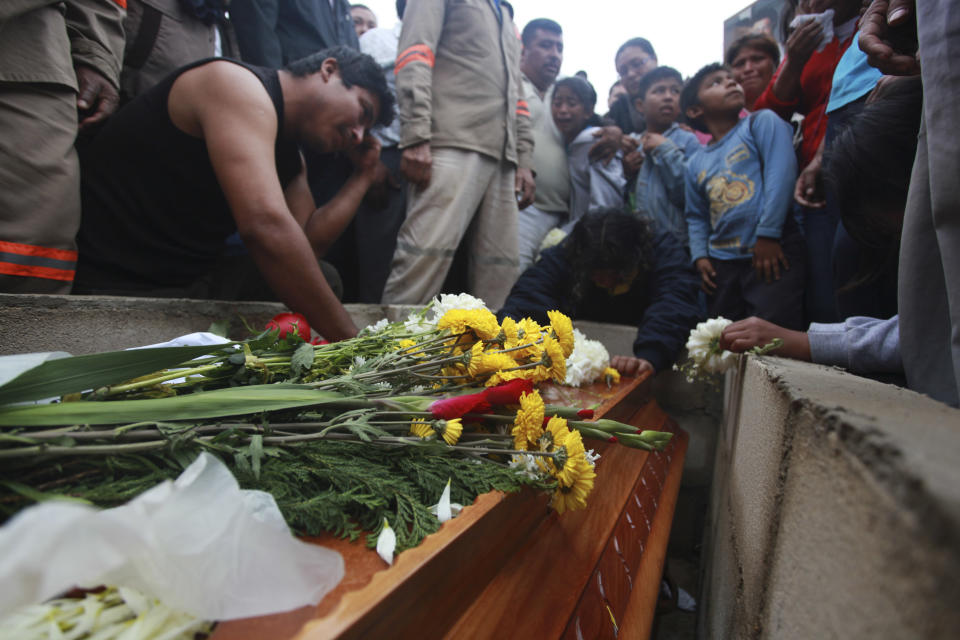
{"x": 59, "y": 70}
{"x": 467, "y": 148}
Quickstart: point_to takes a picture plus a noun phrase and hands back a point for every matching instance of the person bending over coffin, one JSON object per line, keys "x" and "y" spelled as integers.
{"x": 614, "y": 268}
{"x": 213, "y": 149}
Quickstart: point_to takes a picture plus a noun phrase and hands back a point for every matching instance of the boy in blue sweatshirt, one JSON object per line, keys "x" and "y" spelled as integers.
{"x": 743, "y": 240}
{"x": 666, "y": 147}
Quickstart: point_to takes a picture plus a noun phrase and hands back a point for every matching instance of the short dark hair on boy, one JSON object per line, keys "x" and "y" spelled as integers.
{"x": 642, "y": 43}
{"x": 581, "y": 88}
{"x": 355, "y": 69}
{"x": 656, "y": 75}
{"x": 689, "y": 97}
{"x": 760, "y": 42}
{"x": 544, "y": 24}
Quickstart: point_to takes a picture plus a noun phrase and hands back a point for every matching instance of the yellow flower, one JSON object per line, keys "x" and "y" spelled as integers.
{"x": 528, "y": 424}
{"x": 510, "y": 331}
{"x": 554, "y": 360}
{"x": 552, "y": 439}
{"x": 573, "y": 495}
{"x": 421, "y": 428}
{"x": 567, "y": 456}
{"x": 480, "y": 321}
{"x": 450, "y": 430}
{"x": 528, "y": 333}
{"x": 611, "y": 375}
{"x": 562, "y": 330}
{"x": 491, "y": 363}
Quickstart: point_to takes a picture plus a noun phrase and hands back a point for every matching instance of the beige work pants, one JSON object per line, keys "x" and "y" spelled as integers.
{"x": 471, "y": 197}
{"x": 39, "y": 188}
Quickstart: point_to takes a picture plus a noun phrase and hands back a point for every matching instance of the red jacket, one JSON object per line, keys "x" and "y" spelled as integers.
{"x": 815, "y": 82}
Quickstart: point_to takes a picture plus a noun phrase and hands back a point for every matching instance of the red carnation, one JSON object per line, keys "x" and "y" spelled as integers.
{"x": 508, "y": 392}
{"x": 585, "y": 414}
{"x": 292, "y": 323}
{"x": 459, "y": 406}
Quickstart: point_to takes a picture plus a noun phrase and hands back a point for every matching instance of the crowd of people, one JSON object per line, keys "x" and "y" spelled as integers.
{"x": 295, "y": 150}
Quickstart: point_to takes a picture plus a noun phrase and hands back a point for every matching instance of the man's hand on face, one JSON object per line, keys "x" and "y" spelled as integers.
{"x": 874, "y": 38}
{"x": 526, "y": 188}
{"x": 96, "y": 97}
{"x": 631, "y": 366}
{"x": 366, "y": 156}
{"x": 415, "y": 164}
{"x": 607, "y": 144}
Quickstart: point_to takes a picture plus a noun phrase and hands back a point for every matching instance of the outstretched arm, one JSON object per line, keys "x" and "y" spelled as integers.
{"x": 228, "y": 106}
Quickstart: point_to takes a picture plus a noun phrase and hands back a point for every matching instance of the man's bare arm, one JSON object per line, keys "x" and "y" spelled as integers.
{"x": 229, "y": 107}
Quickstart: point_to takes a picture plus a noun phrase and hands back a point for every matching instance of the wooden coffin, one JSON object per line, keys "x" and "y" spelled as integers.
{"x": 510, "y": 567}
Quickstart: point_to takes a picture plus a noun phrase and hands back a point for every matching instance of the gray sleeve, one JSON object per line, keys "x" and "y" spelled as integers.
{"x": 859, "y": 344}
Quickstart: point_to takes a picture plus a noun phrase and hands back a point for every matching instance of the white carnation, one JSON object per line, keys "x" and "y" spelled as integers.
{"x": 703, "y": 347}
{"x": 587, "y": 361}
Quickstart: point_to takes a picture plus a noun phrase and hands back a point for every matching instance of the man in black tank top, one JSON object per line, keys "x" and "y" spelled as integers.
{"x": 213, "y": 149}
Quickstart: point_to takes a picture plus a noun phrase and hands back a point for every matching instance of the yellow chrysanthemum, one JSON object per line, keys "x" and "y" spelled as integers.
{"x": 528, "y": 424}
{"x": 510, "y": 331}
{"x": 611, "y": 376}
{"x": 491, "y": 363}
{"x": 408, "y": 346}
{"x": 562, "y": 330}
{"x": 450, "y": 430}
{"x": 573, "y": 495}
{"x": 552, "y": 439}
{"x": 480, "y": 321}
{"x": 554, "y": 360}
{"x": 567, "y": 456}
{"x": 421, "y": 428}
{"x": 528, "y": 333}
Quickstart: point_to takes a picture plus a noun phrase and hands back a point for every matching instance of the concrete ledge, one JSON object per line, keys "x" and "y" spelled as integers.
{"x": 835, "y": 509}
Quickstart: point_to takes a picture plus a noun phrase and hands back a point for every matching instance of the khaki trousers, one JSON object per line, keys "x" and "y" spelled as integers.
{"x": 39, "y": 188}
{"x": 471, "y": 197}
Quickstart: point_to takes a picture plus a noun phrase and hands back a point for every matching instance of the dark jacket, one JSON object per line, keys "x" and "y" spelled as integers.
{"x": 274, "y": 33}
{"x": 662, "y": 303}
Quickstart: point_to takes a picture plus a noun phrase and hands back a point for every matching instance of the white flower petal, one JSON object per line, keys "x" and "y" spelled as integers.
{"x": 386, "y": 542}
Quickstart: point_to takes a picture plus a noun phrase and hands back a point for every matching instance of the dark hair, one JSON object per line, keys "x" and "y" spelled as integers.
{"x": 543, "y": 24}
{"x": 581, "y": 88}
{"x": 689, "y": 97}
{"x": 642, "y": 43}
{"x": 758, "y": 41}
{"x": 614, "y": 86}
{"x": 401, "y": 7}
{"x": 361, "y": 6}
{"x": 608, "y": 238}
{"x": 656, "y": 75}
{"x": 868, "y": 168}
{"x": 355, "y": 69}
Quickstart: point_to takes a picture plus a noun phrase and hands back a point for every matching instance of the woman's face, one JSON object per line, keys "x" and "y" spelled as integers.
{"x": 569, "y": 113}
{"x": 752, "y": 68}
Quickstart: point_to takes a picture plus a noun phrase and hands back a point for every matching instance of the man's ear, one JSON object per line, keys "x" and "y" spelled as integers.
{"x": 329, "y": 67}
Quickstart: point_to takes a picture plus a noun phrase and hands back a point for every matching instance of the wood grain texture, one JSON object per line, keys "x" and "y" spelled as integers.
{"x": 507, "y": 566}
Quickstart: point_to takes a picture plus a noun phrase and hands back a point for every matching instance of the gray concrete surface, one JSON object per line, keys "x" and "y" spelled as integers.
{"x": 835, "y": 509}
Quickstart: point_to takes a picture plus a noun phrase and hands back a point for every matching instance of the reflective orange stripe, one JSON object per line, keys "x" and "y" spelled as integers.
{"x": 523, "y": 109}
{"x": 34, "y": 250}
{"x": 29, "y": 271}
{"x": 415, "y": 53}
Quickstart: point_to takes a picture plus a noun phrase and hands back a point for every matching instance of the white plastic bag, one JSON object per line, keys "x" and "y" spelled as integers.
{"x": 199, "y": 544}
{"x": 826, "y": 23}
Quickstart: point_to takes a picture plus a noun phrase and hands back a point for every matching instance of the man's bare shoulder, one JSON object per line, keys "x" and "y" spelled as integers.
{"x": 221, "y": 89}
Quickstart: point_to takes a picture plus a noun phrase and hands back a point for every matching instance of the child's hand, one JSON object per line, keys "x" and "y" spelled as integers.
{"x": 651, "y": 141}
{"x": 707, "y": 274}
{"x": 632, "y": 163}
{"x": 631, "y": 366}
{"x": 767, "y": 258}
{"x": 754, "y": 332}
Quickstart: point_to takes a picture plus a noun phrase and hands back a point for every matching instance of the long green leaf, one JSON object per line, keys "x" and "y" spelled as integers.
{"x": 218, "y": 403}
{"x": 78, "y": 373}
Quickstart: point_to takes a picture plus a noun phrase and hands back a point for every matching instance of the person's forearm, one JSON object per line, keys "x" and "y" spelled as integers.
{"x": 326, "y": 223}
{"x": 288, "y": 265}
{"x": 787, "y": 88}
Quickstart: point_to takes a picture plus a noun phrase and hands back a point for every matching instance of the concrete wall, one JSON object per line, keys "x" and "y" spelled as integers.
{"x": 835, "y": 509}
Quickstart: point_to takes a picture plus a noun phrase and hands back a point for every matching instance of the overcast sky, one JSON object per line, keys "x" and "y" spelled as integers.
{"x": 686, "y": 34}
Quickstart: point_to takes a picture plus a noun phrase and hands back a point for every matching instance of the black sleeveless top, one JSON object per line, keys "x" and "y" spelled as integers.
{"x": 154, "y": 215}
